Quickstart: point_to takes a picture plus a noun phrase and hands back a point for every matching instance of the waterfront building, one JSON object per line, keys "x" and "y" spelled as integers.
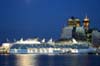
{"x": 89, "y": 35}
{"x": 67, "y": 32}
{"x": 96, "y": 38}
{"x": 79, "y": 33}
{"x": 73, "y": 30}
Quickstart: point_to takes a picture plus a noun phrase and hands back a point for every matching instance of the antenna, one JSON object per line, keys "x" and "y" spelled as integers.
{"x": 86, "y": 16}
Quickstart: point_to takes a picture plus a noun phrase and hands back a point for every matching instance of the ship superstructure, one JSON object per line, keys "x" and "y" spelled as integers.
{"x": 51, "y": 47}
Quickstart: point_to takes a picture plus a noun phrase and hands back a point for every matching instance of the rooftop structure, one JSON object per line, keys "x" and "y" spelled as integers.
{"x": 86, "y": 23}
{"x": 75, "y": 30}
{"x": 28, "y": 41}
{"x": 73, "y": 22}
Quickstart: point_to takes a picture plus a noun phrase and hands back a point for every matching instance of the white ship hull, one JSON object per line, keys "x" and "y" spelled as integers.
{"x": 35, "y": 47}
{"x": 48, "y": 51}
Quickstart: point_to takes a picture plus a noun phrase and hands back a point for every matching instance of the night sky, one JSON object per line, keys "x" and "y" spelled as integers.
{"x": 43, "y": 18}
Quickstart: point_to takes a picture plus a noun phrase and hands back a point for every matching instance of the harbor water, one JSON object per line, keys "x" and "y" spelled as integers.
{"x": 49, "y": 60}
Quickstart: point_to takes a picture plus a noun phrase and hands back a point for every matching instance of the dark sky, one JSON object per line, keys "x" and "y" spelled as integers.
{"x": 43, "y": 18}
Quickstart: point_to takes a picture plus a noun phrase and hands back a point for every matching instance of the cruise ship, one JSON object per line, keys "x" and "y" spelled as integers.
{"x": 33, "y": 46}
{"x": 66, "y": 44}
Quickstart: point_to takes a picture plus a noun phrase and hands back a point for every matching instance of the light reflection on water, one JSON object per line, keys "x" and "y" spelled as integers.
{"x": 45, "y": 60}
{"x": 25, "y": 60}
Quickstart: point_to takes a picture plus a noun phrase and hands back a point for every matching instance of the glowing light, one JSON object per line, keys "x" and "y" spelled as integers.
{"x": 26, "y": 60}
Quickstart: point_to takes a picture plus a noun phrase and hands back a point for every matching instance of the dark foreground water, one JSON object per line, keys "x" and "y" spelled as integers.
{"x": 45, "y": 60}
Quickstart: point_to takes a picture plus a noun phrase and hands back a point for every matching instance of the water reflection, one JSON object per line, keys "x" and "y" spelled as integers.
{"x": 63, "y": 60}
{"x": 78, "y": 60}
{"x": 7, "y": 60}
{"x": 45, "y": 60}
{"x": 25, "y": 60}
